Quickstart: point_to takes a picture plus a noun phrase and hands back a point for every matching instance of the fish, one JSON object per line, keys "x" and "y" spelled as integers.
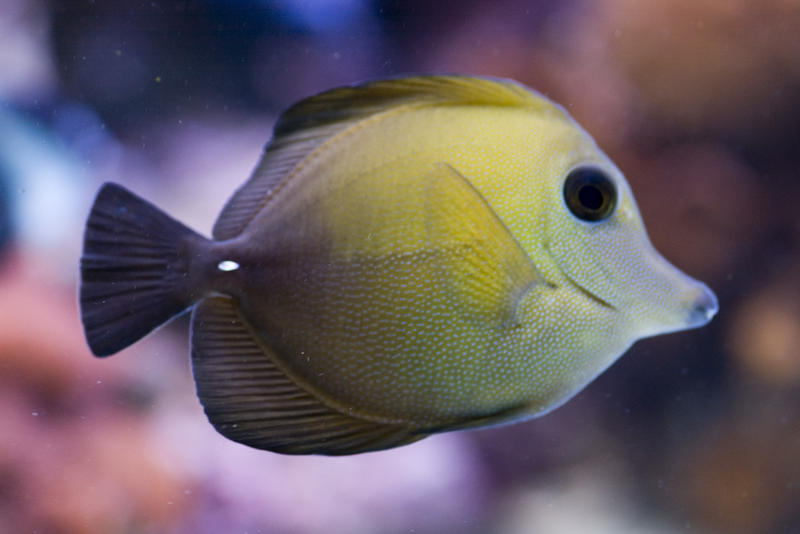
{"x": 409, "y": 256}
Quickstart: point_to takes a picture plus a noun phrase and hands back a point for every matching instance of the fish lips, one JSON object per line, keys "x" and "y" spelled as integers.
{"x": 704, "y": 306}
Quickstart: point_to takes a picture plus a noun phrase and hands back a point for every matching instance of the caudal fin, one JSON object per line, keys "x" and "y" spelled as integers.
{"x": 134, "y": 269}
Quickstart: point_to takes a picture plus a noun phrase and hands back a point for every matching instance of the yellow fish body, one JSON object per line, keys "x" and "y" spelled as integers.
{"x": 409, "y": 256}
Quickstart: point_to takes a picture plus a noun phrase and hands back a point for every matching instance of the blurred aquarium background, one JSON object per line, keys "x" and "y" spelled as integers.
{"x": 697, "y": 101}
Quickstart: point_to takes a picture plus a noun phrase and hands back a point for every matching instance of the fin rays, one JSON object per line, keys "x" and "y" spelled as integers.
{"x": 312, "y": 121}
{"x": 249, "y": 399}
{"x": 133, "y": 273}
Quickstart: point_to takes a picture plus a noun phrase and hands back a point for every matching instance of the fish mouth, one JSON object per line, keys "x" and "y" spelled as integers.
{"x": 703, "y": 307}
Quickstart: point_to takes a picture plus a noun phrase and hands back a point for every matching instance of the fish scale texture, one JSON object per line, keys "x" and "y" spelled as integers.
{"x": 410, "y": 260}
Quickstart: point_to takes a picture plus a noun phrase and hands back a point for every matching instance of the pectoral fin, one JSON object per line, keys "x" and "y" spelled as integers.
{"x": 435, "y": 219}
{"x": 485, "y": 268}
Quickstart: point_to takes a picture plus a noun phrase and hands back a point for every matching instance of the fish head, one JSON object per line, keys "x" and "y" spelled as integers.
{"x": 595, "y": 235}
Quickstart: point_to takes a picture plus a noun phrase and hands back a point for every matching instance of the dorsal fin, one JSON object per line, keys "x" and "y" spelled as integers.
{"x": 250, "y": 399}
{"x": 352, "y": 103}
{"x": 311, "y": 122}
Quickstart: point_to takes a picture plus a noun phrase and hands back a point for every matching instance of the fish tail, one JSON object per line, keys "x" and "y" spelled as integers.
{"x": 134, "y": 269}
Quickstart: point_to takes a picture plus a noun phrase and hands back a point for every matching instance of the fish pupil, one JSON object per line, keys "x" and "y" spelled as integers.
{"x": 591, "y": 197}
{"x": 590, "y": 194}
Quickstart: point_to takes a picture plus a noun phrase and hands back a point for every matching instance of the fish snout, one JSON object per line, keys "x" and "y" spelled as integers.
{"x": 673, "y": 300}
{"x": 702, "y": 306}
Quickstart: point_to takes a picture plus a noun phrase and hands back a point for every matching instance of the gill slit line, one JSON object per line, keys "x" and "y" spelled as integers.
{"x": 580, "y": 288}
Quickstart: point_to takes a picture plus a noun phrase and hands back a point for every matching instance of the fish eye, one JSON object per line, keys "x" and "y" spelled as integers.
{"x": 590, "y": 194}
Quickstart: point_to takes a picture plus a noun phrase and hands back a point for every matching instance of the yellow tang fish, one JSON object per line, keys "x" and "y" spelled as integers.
{"x": 409, "y": 256}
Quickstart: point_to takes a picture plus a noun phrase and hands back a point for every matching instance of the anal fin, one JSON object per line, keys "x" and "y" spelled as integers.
{"x": 251, "y": 400}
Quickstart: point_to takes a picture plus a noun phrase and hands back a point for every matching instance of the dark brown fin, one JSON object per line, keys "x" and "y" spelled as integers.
{"x": 311, "y": 122}
{"x": 251, "y": 400}
{"x": 133, "y": 270}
